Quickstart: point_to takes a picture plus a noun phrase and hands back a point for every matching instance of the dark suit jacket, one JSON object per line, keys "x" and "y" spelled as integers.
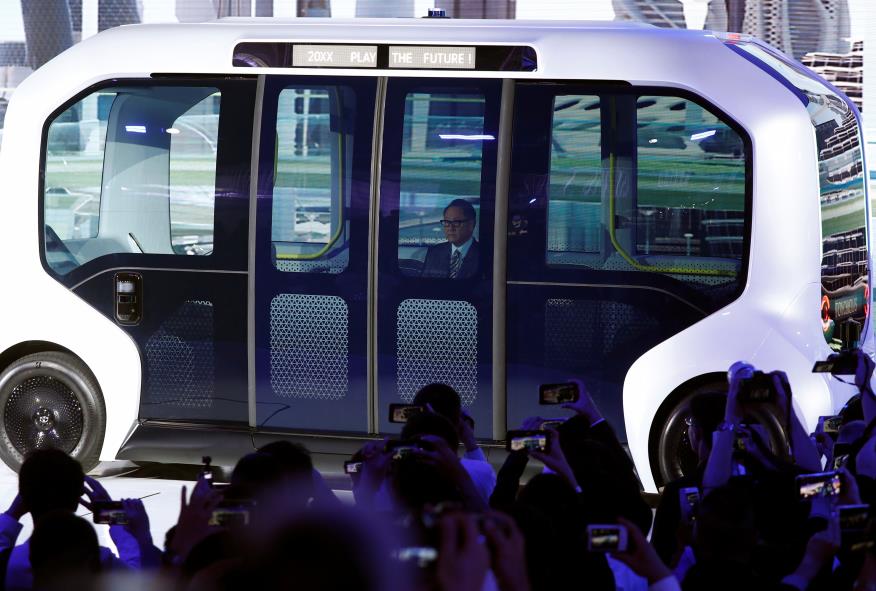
{"x": 437, "y": 263}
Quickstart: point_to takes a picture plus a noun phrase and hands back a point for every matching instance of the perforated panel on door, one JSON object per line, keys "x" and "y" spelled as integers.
{"x": 180, "y": 358}
{"x": 437, "y": 342}
{"x": 579, "y": 333}
{"x": 309, "y": 347}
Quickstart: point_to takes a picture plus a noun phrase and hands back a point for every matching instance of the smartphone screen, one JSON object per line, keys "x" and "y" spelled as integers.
{"x": 528, "y": 441}
{"x": 109, "y": 513}
{"x": 606, "y": 538}
{"x": 822, "y": 484}
{"x": 822, "y": 367}
{"x": 421, "y": 556}
{"x": 401, "y": 449}
{"x": 400, "y": 413}
{"x": 352, "y": 467}
{"x": 232, "y": 513}
{"x": 841, "y": 364}
{"x": 558, "y": 393}
{"x": 551, "y": 423}
{"x": 831, "y": 424}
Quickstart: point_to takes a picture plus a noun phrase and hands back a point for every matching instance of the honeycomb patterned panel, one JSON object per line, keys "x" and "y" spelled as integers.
{"x": 437, "y": 342}
{"x": 578, "y": 332}
{"x": 309, "y": 347}
{"x": 332, "y": 266}
{"x": 180, "y": 367}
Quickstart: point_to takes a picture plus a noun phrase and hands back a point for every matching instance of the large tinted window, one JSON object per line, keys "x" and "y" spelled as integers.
{"x": 312, "y": 185}
{"x": 575, "y": 199}
{"x": 645, "y": 183}
{"x": 842, "y": 188}
{"x": 629, "y": 216}
{"x": 131, "y": 170}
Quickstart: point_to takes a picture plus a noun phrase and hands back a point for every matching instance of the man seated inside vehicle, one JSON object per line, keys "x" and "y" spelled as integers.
{"x": 459, "y": 257}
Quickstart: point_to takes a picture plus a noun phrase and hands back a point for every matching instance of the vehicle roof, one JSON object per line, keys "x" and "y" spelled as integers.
{"x": 643, "y": 55}
{"x": 566, "y": 49}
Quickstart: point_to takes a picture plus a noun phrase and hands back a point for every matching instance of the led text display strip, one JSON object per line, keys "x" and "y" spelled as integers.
{"x": 485, "y": 58}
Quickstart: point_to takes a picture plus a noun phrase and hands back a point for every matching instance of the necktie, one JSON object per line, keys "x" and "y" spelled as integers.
{"x": 455, "y": 264}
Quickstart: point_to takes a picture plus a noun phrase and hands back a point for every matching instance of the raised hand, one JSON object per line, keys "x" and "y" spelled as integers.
{"x": 195, "y": 512}
{"x": 555, "y": 459}
{"x": 508, "y": 551}
{"x": 584, "y": 406}
{"x": 95, "y": 492}
{"x": 641, "y": 556}
{"x": 463, "y": 558}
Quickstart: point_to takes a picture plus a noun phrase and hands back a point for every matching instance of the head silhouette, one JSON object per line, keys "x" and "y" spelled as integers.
{"x": 64, "y": 553}
{"x": 50, "y": 480}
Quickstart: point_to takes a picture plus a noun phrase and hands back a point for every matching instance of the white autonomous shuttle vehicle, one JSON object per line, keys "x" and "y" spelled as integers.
{"x": 219, "y": 234}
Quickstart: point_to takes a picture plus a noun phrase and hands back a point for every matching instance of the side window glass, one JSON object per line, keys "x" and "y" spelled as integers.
{"x": 439, "y": 209}
{"x": 111, "y": 185}
{"x": 845, "y": 257}
{"x": 690, "y": 189}
{"x": 74, "y": 166}
{"x": 309, "y": 229}
{"x": 574, "y": 229}
{"x": 193, "y": 141}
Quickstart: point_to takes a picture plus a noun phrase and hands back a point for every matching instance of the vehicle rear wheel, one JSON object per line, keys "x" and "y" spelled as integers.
{"x": 674, "y": 455}
{"x": 50, "y": 400}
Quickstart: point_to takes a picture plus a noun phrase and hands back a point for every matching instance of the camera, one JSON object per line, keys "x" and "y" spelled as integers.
{"x": 758, "y": 388}
{"x": 207, "y": 472}
{"x": 844, "y": 363}
{"x": 109, "y": 513}
{"x": 821, "y": 484}
{"x": 400, "y": 413}
{"x": 558, "y": 393}
{"x": 606, "y": 538}
{"x": 232, "y": 513}
{"x": 352, "y": 467}
{"x": 528, "y": 441}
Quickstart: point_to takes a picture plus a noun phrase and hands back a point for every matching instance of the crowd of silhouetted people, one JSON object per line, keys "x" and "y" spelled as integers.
{"x": 761, "y": 504}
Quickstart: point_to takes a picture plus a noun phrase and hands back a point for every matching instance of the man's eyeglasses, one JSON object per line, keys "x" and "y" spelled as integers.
{"x": 453, "y": 223}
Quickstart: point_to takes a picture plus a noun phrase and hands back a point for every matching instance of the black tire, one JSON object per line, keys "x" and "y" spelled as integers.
{"x": 673, "y": 456}
{"x": 50, "y": 399}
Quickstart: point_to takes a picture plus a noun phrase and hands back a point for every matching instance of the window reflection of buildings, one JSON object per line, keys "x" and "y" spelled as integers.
{"x": 796, "y": 27}
{"x": 844, "y": 260}
{"x": 668, "y": 14}
{"x": 843, "y": 70}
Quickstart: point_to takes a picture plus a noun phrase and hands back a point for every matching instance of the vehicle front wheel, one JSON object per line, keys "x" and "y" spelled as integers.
{"x": 50, "y": 400}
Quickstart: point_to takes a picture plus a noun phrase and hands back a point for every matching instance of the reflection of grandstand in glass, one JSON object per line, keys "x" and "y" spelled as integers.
{"x": 843, "y": 70}
{"x": 844, "y": 263}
